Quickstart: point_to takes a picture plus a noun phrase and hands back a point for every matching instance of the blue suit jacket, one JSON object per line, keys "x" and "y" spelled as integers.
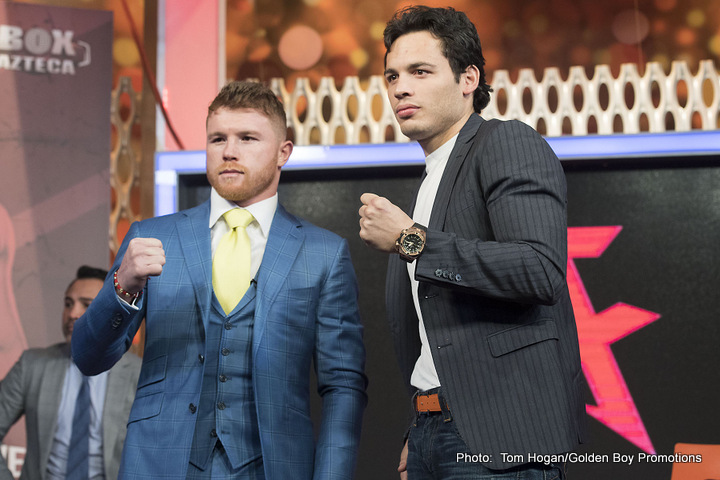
{"x": 306, "y": 310}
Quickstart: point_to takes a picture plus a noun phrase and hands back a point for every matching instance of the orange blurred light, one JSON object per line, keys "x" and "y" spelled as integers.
{"x": 339, "y": 41}
{"x": 685, "y": 37}
{"x": 300, "y": 47}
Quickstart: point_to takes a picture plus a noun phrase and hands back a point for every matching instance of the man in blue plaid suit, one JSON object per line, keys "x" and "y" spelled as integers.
{"x": 226, "y": 394}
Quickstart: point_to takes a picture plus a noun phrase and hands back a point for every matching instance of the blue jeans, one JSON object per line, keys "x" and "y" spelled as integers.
{"x": 436, "y": 452}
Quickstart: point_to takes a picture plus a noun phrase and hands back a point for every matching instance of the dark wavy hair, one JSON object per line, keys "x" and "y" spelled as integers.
{"x": 458, "y": 35}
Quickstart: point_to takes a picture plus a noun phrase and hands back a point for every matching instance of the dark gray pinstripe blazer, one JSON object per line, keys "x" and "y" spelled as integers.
{"x": 494, "y": 297}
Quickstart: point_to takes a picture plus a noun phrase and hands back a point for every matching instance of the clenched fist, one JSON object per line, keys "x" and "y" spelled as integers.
{"x": 144, "y": 257}
{"x": 381, "y": 222}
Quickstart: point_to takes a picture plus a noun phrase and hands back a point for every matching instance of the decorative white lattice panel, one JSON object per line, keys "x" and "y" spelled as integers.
{"x": 359, "y": 112}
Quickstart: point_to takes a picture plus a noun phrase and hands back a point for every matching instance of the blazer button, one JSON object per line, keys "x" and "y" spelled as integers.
{"x": 222, "y": 378}
{"x": 201, "y": 358}
{"x": 192, "y": 408}
{"x": 228, "y": 325}
{"x": 116, "y": 320}
{"x": 445, "y": 274}
{"x": 225, "y": 352}
{"x": 213, "y": 433}
{"x": 458, "y": 277}
{"x": 438, "y": 273}
{"x": 221, "y": 405}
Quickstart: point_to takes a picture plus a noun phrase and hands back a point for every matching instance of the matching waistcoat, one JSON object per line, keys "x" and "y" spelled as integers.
{"x": 227, "y": 412}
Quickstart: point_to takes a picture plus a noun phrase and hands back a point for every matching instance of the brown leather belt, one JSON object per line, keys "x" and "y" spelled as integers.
{"x": 427, "y": 403}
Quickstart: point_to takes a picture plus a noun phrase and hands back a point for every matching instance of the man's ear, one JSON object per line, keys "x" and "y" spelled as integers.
{"x": 470, "y": 79}
{"x": 284, "y": 152}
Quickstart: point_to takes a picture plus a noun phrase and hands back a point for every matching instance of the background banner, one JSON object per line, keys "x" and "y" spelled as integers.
{"x": 55, "y": 87}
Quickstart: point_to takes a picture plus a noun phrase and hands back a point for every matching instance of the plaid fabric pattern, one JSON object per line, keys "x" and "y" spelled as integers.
{"x": 305, "y": 316}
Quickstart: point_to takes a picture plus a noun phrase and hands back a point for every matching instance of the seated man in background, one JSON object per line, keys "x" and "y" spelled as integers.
{"x": 47, "y": 387}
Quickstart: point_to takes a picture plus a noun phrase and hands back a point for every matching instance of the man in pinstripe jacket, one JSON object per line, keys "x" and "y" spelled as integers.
{"x": 477, "y": 299}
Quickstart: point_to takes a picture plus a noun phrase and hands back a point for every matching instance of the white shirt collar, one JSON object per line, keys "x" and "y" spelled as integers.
{"x": 440, "y": 155}
{"x": 263, "y": 211}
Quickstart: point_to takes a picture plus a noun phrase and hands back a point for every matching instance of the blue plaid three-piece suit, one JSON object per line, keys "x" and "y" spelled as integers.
{"x": 305, "y": 313}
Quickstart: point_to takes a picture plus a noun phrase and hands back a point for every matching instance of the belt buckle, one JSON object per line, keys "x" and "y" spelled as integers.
{"x": 428, "y": 403}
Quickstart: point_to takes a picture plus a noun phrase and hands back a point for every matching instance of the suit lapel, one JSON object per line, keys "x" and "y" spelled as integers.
{"x": 452, "y": 169}
{"x": 283, "y": 245}
{"x": 49, "y": 397}
{"x": 194, "y": 238}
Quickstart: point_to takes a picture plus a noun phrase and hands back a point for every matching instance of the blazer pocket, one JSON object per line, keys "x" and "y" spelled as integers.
{"x": 153, "y": 371}
{"x": 507, "y": 341}
{"x": 146, "y": 407}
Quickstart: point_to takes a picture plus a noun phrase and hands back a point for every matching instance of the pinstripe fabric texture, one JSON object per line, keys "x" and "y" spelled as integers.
{"x": 494, "y": 296}
{"x": 305, "y": 315}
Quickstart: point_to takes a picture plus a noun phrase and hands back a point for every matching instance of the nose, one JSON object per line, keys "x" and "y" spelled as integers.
{"x": 401, "y": 87}
{"x": 77, "y": 310}
{"x": 230, "y": 150}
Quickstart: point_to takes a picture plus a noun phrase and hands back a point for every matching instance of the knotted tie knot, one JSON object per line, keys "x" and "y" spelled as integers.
{"x": 238, "y": 217}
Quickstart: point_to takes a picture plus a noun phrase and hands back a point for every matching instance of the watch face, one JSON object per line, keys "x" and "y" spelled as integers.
{"x": 412, "y": 243}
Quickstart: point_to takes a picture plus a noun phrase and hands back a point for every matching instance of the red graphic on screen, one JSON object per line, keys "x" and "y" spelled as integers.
{"x": 614, "y": 406}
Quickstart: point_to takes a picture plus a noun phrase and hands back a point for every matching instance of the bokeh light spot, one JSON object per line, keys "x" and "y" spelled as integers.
{"x": 359, "y": 58}
{"x": 630, "y": 27}
{"x": 696, "y": 18}
{"x": 659, "y": 27}
{"x": 125, "y": 52}
{"x": 714, "y": 45}
{"x": 300, "y": 47}
{"x": 685, "y": 37}
{"x": 340, "y": 41}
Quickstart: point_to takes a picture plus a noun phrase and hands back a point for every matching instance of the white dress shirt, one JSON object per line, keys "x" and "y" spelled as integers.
{"x": 424, "y": 376}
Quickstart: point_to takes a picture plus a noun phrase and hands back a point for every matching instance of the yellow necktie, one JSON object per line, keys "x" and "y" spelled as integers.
{"x": 231, "y": 264}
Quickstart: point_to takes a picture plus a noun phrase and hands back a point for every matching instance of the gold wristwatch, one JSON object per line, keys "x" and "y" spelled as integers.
{"x": 411, "y": 242}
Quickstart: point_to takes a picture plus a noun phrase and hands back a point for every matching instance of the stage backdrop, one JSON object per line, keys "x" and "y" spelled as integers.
{"x": 643, "y": 276}
{"x": 55, "y": 87}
